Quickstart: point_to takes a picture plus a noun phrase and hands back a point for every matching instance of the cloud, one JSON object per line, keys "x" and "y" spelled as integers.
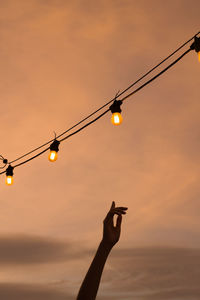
{"x": 134, "y": 273}
{"x": 59, "y": 61}
{"x": 178, "y": 293}
{"x": 27, "y": 249}
{"x": 11, "y": 291}
{"x": 152, "y": 273}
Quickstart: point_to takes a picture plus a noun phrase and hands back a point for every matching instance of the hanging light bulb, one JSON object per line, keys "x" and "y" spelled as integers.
{"x": 9, "y": 175}
{"x": 116, "y": 118}
{"x": 196, "y": 46}
{"x": 53, "y": 155}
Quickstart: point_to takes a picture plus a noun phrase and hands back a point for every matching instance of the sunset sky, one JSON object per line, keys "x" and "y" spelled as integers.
{"x": 60, "y": 61}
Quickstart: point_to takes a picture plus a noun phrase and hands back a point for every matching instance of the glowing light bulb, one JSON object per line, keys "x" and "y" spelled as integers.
{"x": 9, "y": 180}
{"x": 9, "y": 175}
{"x": 53, "y": 155}
{"x": 198, "y": 56}
{"x": 116, "y": 118}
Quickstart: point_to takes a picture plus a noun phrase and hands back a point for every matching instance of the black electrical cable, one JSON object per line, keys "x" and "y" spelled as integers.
{"x": 134, "y": 83}
{"x": 24, "y": 162}
{"x": 156, "y": 76}
{"x": 158, "y": 65}
{"x": 126, "y": 97}
{"x": 105, "y": 112}
{"x": 5, "y": 161}
{"x": 63, "y": 138}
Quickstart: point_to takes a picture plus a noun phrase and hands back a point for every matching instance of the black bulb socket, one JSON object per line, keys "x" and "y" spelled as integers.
{"x": 54, "y": 146}
{"x": 196, "y": 45}
{"x": 9, "y": 171}
{"x": 115, "y": 107}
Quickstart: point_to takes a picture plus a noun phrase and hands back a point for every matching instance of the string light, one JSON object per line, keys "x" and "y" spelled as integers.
{"x": 110, "y": 101}
{"x": 53, "y": 155}
{"x": 115, "y": 108}
{"x": 9, "y": 175}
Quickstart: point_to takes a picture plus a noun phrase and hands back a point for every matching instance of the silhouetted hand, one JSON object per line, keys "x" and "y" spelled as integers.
{"x": 111, "y": 233}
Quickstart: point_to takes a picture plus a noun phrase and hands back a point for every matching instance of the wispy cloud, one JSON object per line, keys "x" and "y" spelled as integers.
{"x": 153, "y": 273}
{"x": 27, "y": 250}
{"x": 60, "y": 60}
{"x": 11, "y": 291}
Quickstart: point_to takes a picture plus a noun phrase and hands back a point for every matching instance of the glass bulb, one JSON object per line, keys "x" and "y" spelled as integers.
{"x": 9, "y": 180}
{"x": 198, "y": 56}
{"x": 116, "y": 118}
{"x": 53, "y": 155}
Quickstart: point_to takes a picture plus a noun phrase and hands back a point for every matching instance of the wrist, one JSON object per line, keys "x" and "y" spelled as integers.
{"x": 105, "y": 245}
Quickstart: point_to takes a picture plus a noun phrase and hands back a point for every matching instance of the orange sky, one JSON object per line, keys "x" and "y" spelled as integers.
{"x": 60, "y": 61}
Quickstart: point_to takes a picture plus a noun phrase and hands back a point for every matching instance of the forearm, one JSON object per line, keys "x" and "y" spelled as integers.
{"x": 90, "y": 285}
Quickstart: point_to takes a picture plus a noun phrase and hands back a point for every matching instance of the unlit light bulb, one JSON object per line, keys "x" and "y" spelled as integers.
{"x": 116, "y": 118}
{"x": 53, "y": 155}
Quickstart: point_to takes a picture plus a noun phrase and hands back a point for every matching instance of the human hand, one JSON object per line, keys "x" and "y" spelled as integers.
{"x": 111, "y": 233}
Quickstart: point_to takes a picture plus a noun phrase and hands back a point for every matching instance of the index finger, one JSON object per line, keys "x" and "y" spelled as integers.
{"x": 122, "y": 207}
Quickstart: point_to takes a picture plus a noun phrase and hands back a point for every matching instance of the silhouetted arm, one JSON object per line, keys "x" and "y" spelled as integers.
{"x": 111, "y": 235}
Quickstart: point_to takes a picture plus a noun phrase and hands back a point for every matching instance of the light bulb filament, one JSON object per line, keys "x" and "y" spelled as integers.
{"x": 116, "y": 119}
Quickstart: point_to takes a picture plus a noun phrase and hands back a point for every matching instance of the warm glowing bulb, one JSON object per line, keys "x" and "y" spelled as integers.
{"x": 198, "y": 56}
{"x": 9, "y": 180}
{"x": 116, "y": 118}
{"x": 53, "y": 155}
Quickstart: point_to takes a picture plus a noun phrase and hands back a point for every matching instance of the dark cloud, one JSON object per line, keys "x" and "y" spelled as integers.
{"x": 10, "y": 291}
{"x": 25, "y": 249}
{"x": 144, "y": 273}
{"x": 178, "y": 294}
{"x": 59, "y": 61}
{"x": 153, "y": 273}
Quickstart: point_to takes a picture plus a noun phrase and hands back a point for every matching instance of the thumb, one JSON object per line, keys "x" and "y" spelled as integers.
{"x": 119, "y": 221}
